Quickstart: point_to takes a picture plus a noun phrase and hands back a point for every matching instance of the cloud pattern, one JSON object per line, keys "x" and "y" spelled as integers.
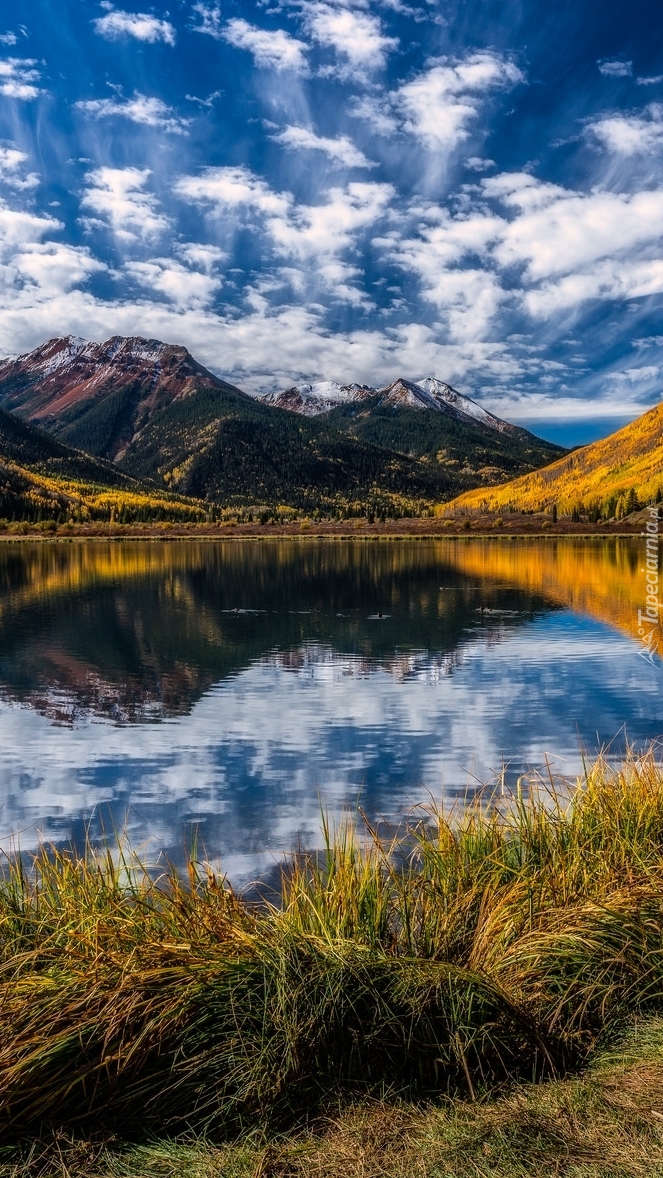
{"x": 347, "y": 190}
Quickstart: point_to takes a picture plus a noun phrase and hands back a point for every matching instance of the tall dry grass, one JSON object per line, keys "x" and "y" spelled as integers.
{"x": 496, "y": 943}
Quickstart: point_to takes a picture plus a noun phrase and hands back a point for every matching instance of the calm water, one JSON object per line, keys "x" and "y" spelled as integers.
{"x": 233, "y": 688}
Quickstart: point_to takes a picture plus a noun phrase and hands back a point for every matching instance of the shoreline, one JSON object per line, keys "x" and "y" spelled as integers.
{"x": 485, "y": 528}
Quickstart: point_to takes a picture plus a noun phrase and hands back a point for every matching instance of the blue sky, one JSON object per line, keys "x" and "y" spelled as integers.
{"x": 346, "y": 190}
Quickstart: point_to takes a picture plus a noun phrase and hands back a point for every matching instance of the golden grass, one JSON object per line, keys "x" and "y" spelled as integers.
{"x": 606, "y": 1124}
{"x": 502, "y": 942}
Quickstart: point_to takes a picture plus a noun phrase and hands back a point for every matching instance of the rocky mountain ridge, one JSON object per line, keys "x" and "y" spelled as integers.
{"x": 153, "y": 410}
{"x": 427, "y": 392}
{"x": 62, "y": 384}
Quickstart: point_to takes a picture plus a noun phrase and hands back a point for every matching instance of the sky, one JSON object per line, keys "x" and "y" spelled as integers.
{"x": 349, "y": 190}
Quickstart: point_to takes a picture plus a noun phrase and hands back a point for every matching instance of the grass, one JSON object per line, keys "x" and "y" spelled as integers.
{"x": 501, "y": 944}
{"x": 606, "y": 1124}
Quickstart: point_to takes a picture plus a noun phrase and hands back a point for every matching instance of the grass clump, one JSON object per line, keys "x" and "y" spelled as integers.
{"x": 606, "y": 1124}
{"x": 500, "y": 943}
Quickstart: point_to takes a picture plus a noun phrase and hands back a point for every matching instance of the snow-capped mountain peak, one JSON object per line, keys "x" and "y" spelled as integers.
{"x": 448, "y": 395}
{"x": 320, "y": 397}
{"x": 428, "y": 393}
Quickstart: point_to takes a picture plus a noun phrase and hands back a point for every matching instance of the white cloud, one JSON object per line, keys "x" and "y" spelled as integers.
{"x": 377, "y": 112}
{"x": 233, "y": 188}
{"x": 148, "y": 112}
{"x": 609, "y": 279}
{"x": 477, "y": 164}
{"x": 208, "y": 102}
{"x": 439, "y": 106}
{"x": 202, "y": 257}
{"x": 535, "y": 409}
{"x": 300, "y": 232}
{"x": 652, "y": 81}
{"x": 120, "y": 203}
{"x": 18, "y": 77}
{"x": 341, "y": 149}
{"x": 567, "y": 247}
{"x": 183, "y": 287}
{"x": 636, "y": 376}
{"x": 33, "y": 272}
{"x": 8, "y": 38}
{"x": 633, "y": 134}
{"x": 271, "y": 48}
{"x": 18, "y": 228}
{"x": 140, "y": 25}
{"x": 11, "y": 161}
{"x": 356, "y": 37}
{"x": 559, "y": 231}
{"x": 467, "y": 295}
{"x": 615, "y": 69}
{"x": 51, "y": 269}
{"x": 209, "y": 17}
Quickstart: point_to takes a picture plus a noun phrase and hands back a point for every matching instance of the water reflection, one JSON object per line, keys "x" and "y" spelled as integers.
{"x": 233, "y": 686}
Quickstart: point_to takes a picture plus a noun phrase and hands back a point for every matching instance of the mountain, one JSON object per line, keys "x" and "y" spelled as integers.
{"x": 159, "y": 415}
{"x": 29, "y": 447}
{"x": 313, "y": 399}
{"x": 446, "y": 397}
{"x": 605, "y": 478}
{"x": 426, "y": 419}
{"x": 42, "y": 478}
{"x": 427, "y": 393}
{"x": 100, "y": 397}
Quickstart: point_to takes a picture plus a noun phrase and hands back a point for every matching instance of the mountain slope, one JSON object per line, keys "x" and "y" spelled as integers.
{"x": 445, "y": 440}
{"x": 42, "y": 478}
{"x": 267, "y": 455}
{"x": 159, "y": 415}
{"x": 426, "y": 393}
{"x": 425, "y": 419}
{"x": 29, "y": 447}
{"x": 600, "y": 475}
{"x": 99, "y": 397}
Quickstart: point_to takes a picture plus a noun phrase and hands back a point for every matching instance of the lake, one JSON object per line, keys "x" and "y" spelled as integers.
{"x": 227, "y": 691}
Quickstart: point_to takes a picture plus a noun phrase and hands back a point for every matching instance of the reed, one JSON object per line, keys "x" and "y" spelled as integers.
{"x": 495, "y": 943}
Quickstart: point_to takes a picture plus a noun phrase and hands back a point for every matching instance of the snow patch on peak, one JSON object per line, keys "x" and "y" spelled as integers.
{"x": 134, "y": 346}
{"x": 431, "y": 384}
{"x": 319, "y": 397}
{"x": 443, "y": 392}
{"x": 59, "y": 352}
{"x": 408, "y": 394}
{"x": 428, "y": 393}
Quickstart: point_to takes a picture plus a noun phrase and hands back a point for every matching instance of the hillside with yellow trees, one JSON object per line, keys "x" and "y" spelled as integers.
{"x": 605, "y": 480}
{"x": 29, "y": 497}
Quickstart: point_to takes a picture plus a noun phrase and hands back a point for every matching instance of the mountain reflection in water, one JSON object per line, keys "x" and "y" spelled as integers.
{"x": 232, "y": 685}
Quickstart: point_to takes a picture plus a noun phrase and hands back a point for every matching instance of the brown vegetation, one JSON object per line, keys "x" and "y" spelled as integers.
{"x": 511, "y": 524}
